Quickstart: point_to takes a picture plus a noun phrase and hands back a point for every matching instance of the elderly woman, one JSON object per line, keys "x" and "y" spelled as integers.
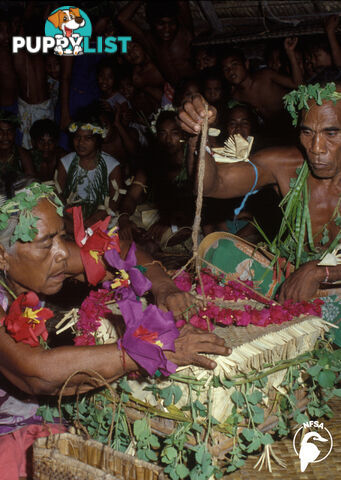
{"x": 35, "y": 256}
{"x": 88, "y": 176}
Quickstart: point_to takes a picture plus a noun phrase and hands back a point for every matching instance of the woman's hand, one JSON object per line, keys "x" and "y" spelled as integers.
{"x": 191, "y": 342}
{"x": 192, "y": 113}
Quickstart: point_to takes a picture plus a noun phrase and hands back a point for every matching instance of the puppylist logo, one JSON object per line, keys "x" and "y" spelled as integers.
{"x": 67, "y": 31}
{"x": 309, "y": 452}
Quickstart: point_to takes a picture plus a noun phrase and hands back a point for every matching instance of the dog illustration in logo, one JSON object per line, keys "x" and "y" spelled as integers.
{"x": 67, "y": 21}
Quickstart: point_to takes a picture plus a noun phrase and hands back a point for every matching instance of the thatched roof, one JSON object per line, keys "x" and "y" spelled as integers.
{"x": 230, "y": 21}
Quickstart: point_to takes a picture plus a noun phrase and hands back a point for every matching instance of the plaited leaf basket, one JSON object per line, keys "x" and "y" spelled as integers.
{"x": 71, "y": 457}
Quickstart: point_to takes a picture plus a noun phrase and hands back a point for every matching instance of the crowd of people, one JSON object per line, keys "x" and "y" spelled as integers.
{"x": 130, "y": 159}
{"x": 118, "y": 135}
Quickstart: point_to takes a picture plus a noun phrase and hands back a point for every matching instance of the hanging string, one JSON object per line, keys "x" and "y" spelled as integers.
{"x": 197, "y": 218}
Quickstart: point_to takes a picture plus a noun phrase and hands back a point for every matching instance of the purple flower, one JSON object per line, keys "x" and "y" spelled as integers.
{"x": 148, "y": 333}
{"x": 138, "y": 282}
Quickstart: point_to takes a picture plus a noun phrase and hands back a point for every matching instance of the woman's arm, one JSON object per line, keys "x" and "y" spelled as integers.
{"x": 43, "y": 372}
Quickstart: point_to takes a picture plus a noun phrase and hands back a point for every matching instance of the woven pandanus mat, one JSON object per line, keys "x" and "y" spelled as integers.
{"x": 328, "y": 469}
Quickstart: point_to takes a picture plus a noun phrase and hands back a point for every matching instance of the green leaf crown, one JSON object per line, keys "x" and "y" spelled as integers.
{"x": 24, "y": 202}
{"x": 298, "y": 99}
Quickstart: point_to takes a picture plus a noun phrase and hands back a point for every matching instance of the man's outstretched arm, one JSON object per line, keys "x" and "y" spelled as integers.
{"x": 223, "y": 180}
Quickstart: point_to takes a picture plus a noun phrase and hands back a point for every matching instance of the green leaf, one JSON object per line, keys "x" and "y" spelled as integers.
{"x": 315, "y": 370}
{"x": 196, "y": 427}
{"x": 258, "y": 415}
{"x": 337, "y": 392}
{"x": 181, "y": 470}
{"x": 141, "y": 428}
{"x": 254, "y": 445}
{"x": 300, "y": 417}
{"x": 125, "y": 385}
{"x": 238, "y": 398}
{"x": 248, "y": 434}
{"x": 267, "y": 439}
{"x": 255, "y": 397}
{"x": 151, "y": 455}
{"x": 170, "y": 453}
{"x": 154, "y": 441}
{"x": 326, "y": 378}
{"x": 200, "y": 407}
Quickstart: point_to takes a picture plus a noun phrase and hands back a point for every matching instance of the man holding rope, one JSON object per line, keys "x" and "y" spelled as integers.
{"x": 309, "y": 180}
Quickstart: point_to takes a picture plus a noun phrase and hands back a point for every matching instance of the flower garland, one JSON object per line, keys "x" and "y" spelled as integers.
{"x": 94, "y": 129}
{"x": 154, "y": 117}
{"x": 217, "y": 288}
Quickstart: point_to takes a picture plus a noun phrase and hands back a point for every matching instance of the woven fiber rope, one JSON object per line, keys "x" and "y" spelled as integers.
{"x": 328, "y": 469}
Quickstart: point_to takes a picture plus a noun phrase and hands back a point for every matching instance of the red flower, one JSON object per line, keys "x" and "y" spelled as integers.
{"x": 93, "y": 243}
{"x": 25, "y": 321}
{"x": 183, "y": 281}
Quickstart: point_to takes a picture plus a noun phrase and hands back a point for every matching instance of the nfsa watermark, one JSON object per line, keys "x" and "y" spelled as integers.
{"x": 67, "y": 31}
{"x": 315, "y": 445}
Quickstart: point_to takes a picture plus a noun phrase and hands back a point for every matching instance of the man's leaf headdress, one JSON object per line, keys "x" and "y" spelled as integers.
{"x": 298, "y": 99}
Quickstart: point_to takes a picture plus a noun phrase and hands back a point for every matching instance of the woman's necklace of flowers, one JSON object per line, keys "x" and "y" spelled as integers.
{"x": 218, "y": 288}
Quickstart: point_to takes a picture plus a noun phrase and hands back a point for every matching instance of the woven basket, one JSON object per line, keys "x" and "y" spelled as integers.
{"x": 70, "y": 457}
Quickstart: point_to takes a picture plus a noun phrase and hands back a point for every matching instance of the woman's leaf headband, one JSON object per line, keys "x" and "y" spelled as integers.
{"x": 24, "y": 202}
{"x": 94, "y": 129}
{"x": 298, "y": 99}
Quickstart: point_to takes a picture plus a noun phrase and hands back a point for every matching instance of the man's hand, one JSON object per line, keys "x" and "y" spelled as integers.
{"x": 192, "y": 113}
{"x": 169, "y": 297}
{"x": 303, "y": 283}
{"x": 331, "y": 23}
{"x": 191, "y": 342}
{"x": 290, "y": 44}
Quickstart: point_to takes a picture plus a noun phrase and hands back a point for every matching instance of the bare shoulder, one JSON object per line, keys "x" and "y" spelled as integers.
{"x": 275, "y": 155}
{"x": 264, "y": 74}
{"x": 280, "y": 161}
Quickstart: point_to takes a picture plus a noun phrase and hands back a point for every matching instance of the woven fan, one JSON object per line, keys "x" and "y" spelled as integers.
{"x": 236, "y": 149}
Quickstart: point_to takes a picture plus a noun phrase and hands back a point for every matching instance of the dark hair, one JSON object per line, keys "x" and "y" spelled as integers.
{"x": 181, "y": 87}
{"x": 226, "y": 113}
{"x": 44, "y": 127}
{"x": 9, "y": 117}
{"x": 317, "y": 44}
{"x": 156, "y": 9}
{"x": 211, "y": 73}
{"x": 328, "y": 74}
{"x": 233, "y": 52}
{"x": 165, "y": 115}
{"x": 112, "y": 65}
